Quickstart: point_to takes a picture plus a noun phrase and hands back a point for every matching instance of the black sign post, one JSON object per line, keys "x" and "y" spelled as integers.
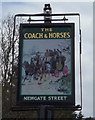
{"x": 43, "y": 111}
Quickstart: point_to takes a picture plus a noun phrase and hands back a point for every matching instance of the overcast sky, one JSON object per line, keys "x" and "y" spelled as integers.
{"x": 47, "y": 0}
{"x": 86, "y": 12}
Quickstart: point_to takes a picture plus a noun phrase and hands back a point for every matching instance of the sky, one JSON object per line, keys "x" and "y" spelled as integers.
{"x": 85, "y": 8}
{"x": 47, "y": 0}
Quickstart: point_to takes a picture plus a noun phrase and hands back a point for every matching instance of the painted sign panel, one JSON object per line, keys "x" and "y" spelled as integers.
{"x": 46, "y": 64}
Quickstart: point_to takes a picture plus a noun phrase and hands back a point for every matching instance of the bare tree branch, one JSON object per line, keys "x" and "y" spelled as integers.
{"x": 7, "y": 46}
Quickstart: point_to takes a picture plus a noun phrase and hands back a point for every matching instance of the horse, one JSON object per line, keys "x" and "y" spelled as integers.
{"x": 29, "y": 70}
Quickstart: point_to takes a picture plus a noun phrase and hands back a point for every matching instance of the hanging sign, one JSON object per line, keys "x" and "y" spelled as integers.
{"x": 46, "y": 64}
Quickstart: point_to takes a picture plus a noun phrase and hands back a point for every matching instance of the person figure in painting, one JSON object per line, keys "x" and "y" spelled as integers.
{"x": 47, "y": 63}
{"x": 65, "y": 71}
{"x": 40, "y": 70}
{"x": 26, "y": 67}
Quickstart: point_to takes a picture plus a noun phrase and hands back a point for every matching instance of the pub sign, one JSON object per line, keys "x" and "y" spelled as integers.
{"x": 46, "y": 64}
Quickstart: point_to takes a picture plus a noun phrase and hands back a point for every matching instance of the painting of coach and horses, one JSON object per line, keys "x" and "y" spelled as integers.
{"x": 46, "y": 67}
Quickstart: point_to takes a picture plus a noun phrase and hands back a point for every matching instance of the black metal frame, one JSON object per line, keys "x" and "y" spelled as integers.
{"x": 56, "y": 107}
{"x": 74, "y": 108}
